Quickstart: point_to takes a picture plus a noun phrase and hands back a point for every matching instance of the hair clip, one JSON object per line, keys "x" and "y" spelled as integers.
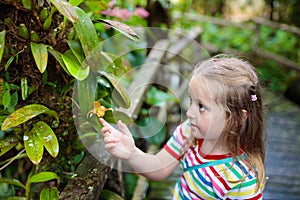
{"x": 253, "y": 97}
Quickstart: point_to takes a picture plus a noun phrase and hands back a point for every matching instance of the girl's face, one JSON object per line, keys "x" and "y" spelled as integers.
{"x": 206, "y": 117}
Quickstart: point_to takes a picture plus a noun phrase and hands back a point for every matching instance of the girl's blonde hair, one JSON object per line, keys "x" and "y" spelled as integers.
{"x": 234, "y": 86}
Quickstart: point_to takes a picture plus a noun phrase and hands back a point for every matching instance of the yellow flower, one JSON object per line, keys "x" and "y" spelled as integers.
{"x": 98, "y": 110}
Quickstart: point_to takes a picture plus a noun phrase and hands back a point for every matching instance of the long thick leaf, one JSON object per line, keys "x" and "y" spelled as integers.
{"x": 33, "y": 146}
{"x": 66, "y": 9}
{"x": 122, "y": 28}
{"x": 76, "y": 49}
{"x": 86, "y": 31}
{"x": 47, "y": 136}
{"x": 58, "y": 56}
{"x": 40, "y": 55}
{"x": 12, "y": 182}
{"x": 7, "y": 143}
{"x": 119, "y": 95}
{"x": 26, "y": 113}
{"x": 74, "y": 67}
{"x": 42, "y": 177}
{"x": 2, "y": 43}
{"x": 49, "y": 194}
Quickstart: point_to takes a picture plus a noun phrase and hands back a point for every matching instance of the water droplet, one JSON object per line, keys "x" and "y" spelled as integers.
{"x": 25, "y": 137}
{"x": 30, "y": 144}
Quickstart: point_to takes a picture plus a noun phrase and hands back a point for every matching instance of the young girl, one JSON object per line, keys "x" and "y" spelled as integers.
{"x": 220, "y": 147}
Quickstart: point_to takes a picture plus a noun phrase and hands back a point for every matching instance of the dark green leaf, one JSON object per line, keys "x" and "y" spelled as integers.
{"x": 7, "y": 144}
{"x": 12, "y": 182}
{"x": 11, "y": 59}
{"x": 6, "y": 99}
{"x": 108, "y": 195}
{"x": 49, "y": 194}
{"x": 33, "y": 146}
{"x": 119, "y": 94}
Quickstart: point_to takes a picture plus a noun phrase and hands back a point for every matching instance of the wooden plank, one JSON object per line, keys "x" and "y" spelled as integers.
{"x": 284, "y": 27}
{"x": 145, "y": 77}
{"x": 182, "y": 42}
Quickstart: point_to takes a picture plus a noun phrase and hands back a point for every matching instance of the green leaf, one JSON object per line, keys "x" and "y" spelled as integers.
{"x": 6, "y": 99}
{"x": 74, "y": 67}
{"x": 12, "y": 182}
{"x": 119, "y": 94}
{"x": 76, "y": 2}
{"x": 24, "y": 88}
{"x": 43, "y": 177}
{"x": 2, "y": 43}
{"x": 33, "y": 146}
{"x": 152, "y": 130}
{"x": 76, "y": 48}
{"x": 10, "y": 60}
{"x": 158, "y": 97}
{"x": 108, "y": 195}
{"x": 49, "y": 194}
{"x": 115, "y": 116}
{"x": 66, "y": 9}
{"x": 7, "y": 144}
{"x": 26, "y": 113}
{"x": 122, "y": 28}
{"x": 86, "y": 32}
{"x": 13, "y": 102}
{"x": 58, "y": 56}
{"x": 40, "y": 55}
{"x": 95, "y": 6}
{"x": 48, "y": 137}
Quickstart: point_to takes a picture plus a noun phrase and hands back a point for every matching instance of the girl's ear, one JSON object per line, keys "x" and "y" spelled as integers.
{"x": 245, "y": 113}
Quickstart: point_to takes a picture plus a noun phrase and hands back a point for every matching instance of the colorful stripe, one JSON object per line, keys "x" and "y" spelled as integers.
{"x": 210, "y": 177}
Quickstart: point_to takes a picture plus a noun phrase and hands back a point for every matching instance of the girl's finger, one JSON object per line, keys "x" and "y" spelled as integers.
{"x": 105, "y": 123}
{"x": 110, "y": 145}
{"x": 111, "y": 140}
{"x": 124, "y": 129}
{"x": 105, "y": 129}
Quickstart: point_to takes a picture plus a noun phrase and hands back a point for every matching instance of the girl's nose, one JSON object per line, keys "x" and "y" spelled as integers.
{"x": 189, "y": 112}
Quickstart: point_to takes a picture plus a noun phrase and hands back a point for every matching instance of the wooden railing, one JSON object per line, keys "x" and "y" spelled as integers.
{"x": 253, "y": 25}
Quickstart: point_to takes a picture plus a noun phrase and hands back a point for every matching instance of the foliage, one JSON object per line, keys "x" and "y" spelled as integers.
{"x": 276, "y": 41}
{"x": 44, "y": 50}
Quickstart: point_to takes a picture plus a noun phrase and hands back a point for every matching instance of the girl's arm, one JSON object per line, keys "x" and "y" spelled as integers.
{"x": 121, "y": 144}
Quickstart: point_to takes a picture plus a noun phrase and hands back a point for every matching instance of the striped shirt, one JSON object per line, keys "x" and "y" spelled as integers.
{"x": 210, "y": 176}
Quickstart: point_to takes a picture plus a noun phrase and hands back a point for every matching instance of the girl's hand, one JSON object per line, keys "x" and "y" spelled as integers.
{"x": 118, "y": 143}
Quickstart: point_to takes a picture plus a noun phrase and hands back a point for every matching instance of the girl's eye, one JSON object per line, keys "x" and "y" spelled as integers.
{"x": 190, "y": 100}
{"x": 201, "y": 107}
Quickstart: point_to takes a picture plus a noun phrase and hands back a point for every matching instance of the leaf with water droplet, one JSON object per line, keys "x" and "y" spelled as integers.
{"x": 48, "y": 137}
{"x": 33, "y": 146}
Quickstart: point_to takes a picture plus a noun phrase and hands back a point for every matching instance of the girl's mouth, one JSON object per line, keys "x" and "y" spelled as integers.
{"x": 193, "y": 126}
